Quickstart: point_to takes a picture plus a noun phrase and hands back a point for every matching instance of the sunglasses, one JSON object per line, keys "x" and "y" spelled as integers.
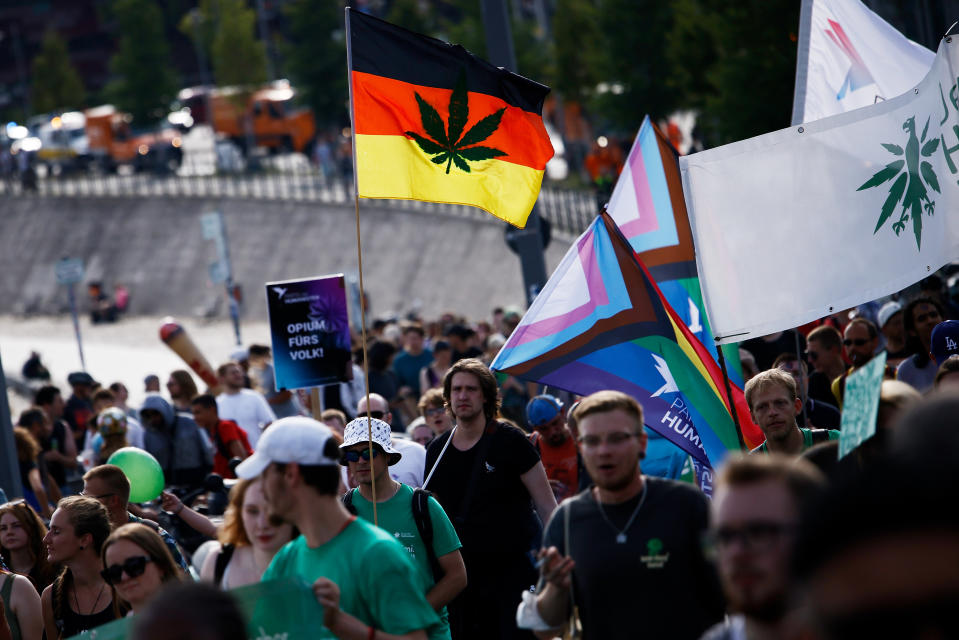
{"x": 435, "y": 411}
{"x": 133, "y": 567}
{"x": 858, "y": 342}
{"x": 354, "y": 456}
{"x": 378, "y": 415}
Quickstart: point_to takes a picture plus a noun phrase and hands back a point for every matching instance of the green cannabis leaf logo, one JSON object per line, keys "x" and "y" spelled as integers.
{"x": 445, "y": 143}
{"x": 909, "y": 186}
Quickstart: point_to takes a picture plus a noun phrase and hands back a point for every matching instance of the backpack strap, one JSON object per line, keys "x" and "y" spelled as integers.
{"x": 424, "y": 524}
{"x": 819, "y": 435}
{"x": 222, "y": 560}
{"x": 347, "y": 501}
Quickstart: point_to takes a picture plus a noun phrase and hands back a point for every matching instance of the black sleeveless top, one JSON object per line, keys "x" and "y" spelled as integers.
{"x": 73, "y": 623}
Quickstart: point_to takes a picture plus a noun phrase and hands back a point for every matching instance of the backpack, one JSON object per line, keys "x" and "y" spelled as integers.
{"x": 424, "y": 524}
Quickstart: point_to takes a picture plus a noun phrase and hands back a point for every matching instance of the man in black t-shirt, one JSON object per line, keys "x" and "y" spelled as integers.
{"x": 633, "y": 556}
{"x": 486, "y": 474}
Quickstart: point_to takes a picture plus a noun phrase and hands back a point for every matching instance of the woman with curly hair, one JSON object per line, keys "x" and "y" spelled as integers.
{"x": 249, "y": 539}
{"x": 79, "y": 599}
{"x": 136, "y": 562}
{"x": 21, "y": 544}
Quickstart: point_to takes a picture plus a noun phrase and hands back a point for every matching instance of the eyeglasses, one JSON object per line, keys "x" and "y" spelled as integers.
{"x": 378, "y": 415}
{"x": 133, "y": 567}
{"x": 435, "y": 411}
{"x": 754, "y": 536}
{"x": 354, "y": 456}
{"x": 858, "y": 342}
{"x": 614, "y": 439}
{"x": 99, "y": 497}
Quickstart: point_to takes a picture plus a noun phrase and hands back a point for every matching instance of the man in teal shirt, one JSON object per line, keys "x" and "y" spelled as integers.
{"x": 361, "y": 576}
{"x": 774, "y": 404}
{"x": 395, "y": 514}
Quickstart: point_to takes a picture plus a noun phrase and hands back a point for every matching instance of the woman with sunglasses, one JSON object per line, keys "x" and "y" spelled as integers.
{"x": 79, "y": 599}
{"x": 136, "y": 562}
{"x": 21, "y": 544}
{"x": 249, "y": 539}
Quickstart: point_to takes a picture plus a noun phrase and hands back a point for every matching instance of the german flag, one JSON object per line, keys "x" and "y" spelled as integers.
{"x": 433, "y": 122}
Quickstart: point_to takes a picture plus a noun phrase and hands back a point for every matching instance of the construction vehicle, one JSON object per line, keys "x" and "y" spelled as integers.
{"x": 113, "y": 142}
{"x": 264, "y": 117}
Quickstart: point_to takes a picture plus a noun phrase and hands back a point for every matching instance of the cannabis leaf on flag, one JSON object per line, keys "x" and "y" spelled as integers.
{"x": 446, "y": 144}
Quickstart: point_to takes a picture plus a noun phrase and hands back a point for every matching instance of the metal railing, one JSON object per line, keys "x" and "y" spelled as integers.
{"x": 569, "y": 211}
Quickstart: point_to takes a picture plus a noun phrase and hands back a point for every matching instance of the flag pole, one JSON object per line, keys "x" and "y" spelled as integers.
{"x": 359, "y": 259}
{"x": 802, "y": 381}
{"x": 729, "y": 395}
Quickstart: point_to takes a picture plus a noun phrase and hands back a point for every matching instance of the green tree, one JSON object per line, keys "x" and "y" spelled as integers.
{"x": 238, "y": 58}
{"x": 578, "y": 48}
{"x": 632, "y": 68}
{"x": 144, "y": 82}
{"x": 316, "y": 58}
{"x": 56, "y": 84}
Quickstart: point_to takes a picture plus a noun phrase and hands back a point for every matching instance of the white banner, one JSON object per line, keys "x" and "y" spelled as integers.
{"x": 797, "y": 224}
{"x": 848, "y": 57}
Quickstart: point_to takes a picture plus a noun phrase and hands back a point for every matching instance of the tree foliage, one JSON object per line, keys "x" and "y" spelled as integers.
{"x": 56, "y": 84}
{"x": 236, "y": 55}
{"x": 316, "y": 58}
{"x": 144, "y": 83}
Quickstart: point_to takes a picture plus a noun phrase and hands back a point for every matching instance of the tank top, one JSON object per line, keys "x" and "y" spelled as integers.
{"x": 5, "y": 593}
{"x": 73, "y": 623}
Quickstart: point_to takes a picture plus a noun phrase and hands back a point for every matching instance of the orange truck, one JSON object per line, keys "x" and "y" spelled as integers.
{"x": 267, "y": 114}
{"x": 113, "y": 142}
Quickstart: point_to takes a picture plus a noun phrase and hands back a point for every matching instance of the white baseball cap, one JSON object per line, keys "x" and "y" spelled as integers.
{"x": 357, "y": 431}
{"x": 295, "y": 439}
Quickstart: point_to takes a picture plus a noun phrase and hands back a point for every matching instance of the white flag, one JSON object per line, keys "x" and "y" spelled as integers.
{"x": 848, "y": 57}
{"x": 799, "y": 223}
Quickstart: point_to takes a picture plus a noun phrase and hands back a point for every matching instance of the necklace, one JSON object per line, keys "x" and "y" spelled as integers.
{"x": 95, "y": 602}
{"x": 621, "y": 533}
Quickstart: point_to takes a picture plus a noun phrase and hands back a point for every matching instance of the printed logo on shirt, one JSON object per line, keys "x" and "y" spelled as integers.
{"x": 489, "y": 468}
{"x": 654, "y": 558}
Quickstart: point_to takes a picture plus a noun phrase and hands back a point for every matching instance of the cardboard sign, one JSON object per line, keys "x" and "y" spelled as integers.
{"x": 310, "y": 331}
{"x": 860, "y": 406}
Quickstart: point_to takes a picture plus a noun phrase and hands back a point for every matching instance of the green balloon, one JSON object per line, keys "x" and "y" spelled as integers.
{"x": 142, "y": 470}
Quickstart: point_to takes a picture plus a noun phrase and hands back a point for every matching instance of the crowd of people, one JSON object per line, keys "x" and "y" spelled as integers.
{"x": 447, "y": 500}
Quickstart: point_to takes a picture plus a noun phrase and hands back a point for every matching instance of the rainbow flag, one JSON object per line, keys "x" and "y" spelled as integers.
{"x": 648, "y": 205}
{"x": 602, "y": 323}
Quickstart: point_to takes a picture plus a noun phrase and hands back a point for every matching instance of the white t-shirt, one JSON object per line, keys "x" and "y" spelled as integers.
{"x": 409, "y": 470}
{"x": 248, "y": 409}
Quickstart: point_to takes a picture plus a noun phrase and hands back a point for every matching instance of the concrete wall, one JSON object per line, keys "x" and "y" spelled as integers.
{"x": 156, "y": 248}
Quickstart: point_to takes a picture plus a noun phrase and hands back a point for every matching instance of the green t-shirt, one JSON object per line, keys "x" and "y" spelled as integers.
{"x": 807, "y": 440}
{"x": 396, "y": 517}
{"x": 377, "y": 581}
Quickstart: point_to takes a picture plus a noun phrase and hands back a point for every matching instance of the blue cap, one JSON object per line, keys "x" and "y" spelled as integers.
{"x": 945, "y": 340}
{"x": 542, "y": 409}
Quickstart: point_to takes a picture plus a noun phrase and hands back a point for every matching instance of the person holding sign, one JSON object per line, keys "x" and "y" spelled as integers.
{"x": 361, "y": 575}
{"x": 774, "y": 404}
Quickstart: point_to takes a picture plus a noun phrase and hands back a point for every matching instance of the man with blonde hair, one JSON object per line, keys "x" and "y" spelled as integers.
{"x": 626, "y": 551}
{"x": 774, "y": 404}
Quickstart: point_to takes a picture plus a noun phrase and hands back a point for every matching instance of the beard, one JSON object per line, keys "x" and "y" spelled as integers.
{"x": 769, "y": 608}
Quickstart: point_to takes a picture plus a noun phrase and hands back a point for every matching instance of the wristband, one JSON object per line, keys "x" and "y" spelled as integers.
{"x": 371, "y": 634}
